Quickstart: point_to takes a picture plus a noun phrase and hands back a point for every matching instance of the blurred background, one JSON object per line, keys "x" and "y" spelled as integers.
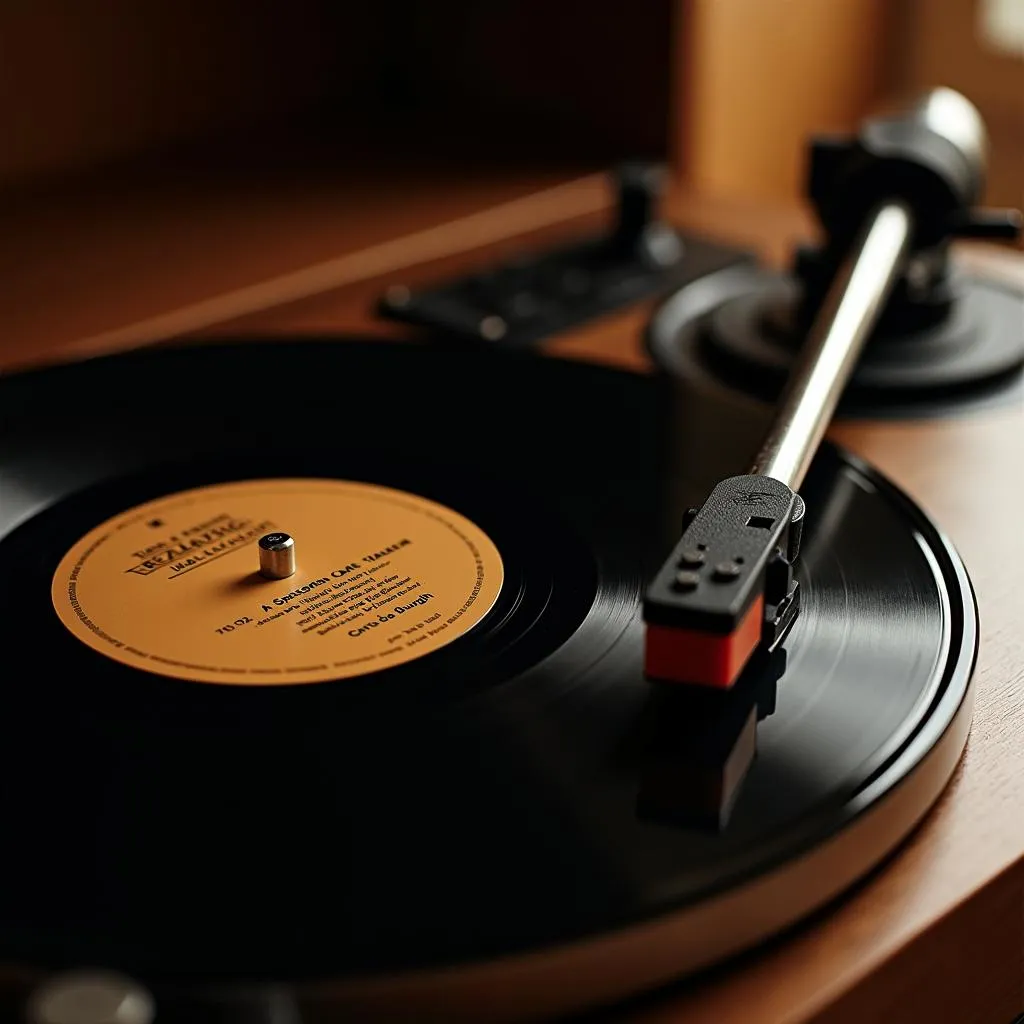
{"x": 159, "y": 153}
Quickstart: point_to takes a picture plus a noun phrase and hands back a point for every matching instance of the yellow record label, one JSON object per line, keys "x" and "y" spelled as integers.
{"x": 173, "y": 586}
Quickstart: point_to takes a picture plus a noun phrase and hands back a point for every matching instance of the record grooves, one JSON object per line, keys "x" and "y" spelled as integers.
{"x": 475, "y": 810}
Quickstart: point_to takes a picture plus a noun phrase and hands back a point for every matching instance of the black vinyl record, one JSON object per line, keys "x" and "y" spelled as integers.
{"x": 473, "y": 824}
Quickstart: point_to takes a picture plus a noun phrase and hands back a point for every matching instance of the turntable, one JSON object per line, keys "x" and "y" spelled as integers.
{"x": 427, "y": 697}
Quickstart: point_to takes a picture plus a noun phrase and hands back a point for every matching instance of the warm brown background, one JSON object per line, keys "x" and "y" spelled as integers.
{"x": 87, "y": 82}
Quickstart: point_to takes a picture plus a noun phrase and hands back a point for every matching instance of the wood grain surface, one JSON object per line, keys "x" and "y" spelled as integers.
{"x": 806, "y": 67}
{"x": 937, "y": 935}
{"x": 118, "y": 262}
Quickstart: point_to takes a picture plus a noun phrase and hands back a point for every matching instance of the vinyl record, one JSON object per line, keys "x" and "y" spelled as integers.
{"x": 506, "y": 819}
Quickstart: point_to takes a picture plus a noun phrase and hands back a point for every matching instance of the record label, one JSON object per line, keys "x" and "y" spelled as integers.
{"x": 173, "y": 586}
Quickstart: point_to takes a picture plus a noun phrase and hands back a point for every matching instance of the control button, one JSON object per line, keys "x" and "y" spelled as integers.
{"x": 492, "y": 328}
{"x": 691, "y": 558}
{"x": 686, "y": 580}
{"x": 726, "y": 572}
